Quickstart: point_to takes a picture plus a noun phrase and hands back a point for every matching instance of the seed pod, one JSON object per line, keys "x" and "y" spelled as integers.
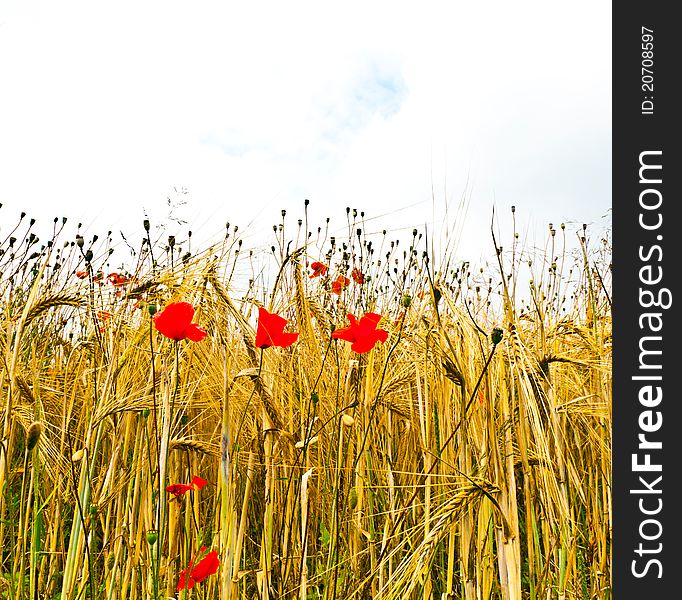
{"x": 33, "y": 435}
{"x": 352, "y": 499}
{"x": 152, "y": 536}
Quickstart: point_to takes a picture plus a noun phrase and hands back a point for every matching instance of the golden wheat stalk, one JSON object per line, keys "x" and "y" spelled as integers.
{"x": 46, "y": 304}
{"x": 194, "y": 446}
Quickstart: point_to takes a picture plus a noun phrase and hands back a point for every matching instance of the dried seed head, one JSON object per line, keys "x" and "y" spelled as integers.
{"x": 33, "y": 435}
{"x": 347, "y": 420}
{"x": 77, "y": 455}
{"x": 302, "y": 443}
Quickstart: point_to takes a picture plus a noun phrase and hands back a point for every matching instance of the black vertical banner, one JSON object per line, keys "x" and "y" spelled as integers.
{"x": 647, "y": 262}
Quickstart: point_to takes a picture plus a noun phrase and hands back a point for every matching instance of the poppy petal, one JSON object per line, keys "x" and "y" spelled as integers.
{"x": 174, "y": 320}
{"x": 270, "y": 331}
{"x": 199, "y": 482}
{"x": 363, "y": 345}
{"x": 178, "y": 489}
{"x": 266, "y": 325}
{"x": 185, "y": 582}
{"x": 286, "y": 339}
{"x": 353, "y": 321}
{"x": 345, "y": 334}
{"x": 370, "y": 319}
{"x": 195, "y": 333}
{"x": 362, "y": 334}
{"x": 206, "y": 566}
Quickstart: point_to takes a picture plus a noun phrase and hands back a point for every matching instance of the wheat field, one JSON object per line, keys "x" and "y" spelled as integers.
{"x": 466, "y": 456}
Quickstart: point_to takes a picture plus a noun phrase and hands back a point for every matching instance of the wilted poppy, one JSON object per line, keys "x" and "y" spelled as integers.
{"x": 81, "y": 274}
{"x": 175, "y": 322}
{"x": 318, "y": 269}
{"x": 178, "y": 489}
{"x": 197, "y": 573}
{"x": 362, "y": 334}
{"x": 357, "y": 276}
{"x": 117, "y": 279}
{"x": 270, "y": 331}
{"x": 339, "y": 284}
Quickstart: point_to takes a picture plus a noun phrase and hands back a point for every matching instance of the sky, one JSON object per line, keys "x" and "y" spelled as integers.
{"x": 419, "y": 114}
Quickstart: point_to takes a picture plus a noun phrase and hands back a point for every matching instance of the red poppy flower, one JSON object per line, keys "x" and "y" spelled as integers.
{"x": 339, "y": 284}
{"x": 117, "y": 279}
{"x": 362, "y": 334}
{"x": 99, "y": 277}
{"x": 178, "y": 489}
{"x": 175, "y": 322}
{"x": 197, "y": 573}
{"x": 81, "y": 274}
{"x": 318, "y": 269}
{"x": 270, "y": 331}
{"x": 357, "y": 276}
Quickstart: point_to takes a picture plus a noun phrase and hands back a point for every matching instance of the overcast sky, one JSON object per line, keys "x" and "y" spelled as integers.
{"x": 395, "y": 108}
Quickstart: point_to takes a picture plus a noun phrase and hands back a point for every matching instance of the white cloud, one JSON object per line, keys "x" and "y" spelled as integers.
{"x": 254, "y": 107}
